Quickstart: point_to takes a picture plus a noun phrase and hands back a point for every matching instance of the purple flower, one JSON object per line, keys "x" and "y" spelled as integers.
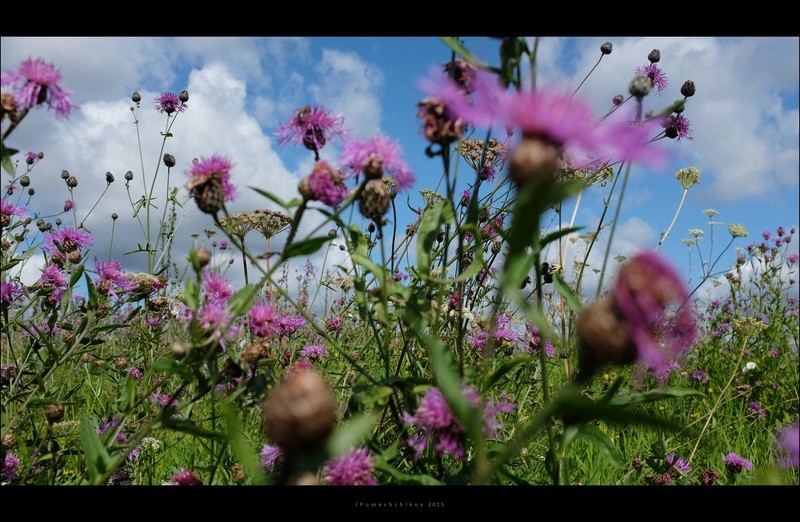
{"x": 105, "y": 426}
{"x": 214, "y": 319}
{"x": 224, "y": 245}
{"x": 9, "y": 292}
{"x": 289, "y": 324}
{"x": 213, "y": 168}
{"x": 549, "y": 349}
{"x": 163, "y": 399}
{"x": 312, "y": 126}
{"x": 679, "y": 464}
{"x": 325, "y": 184}
{"x": 645, "y": 286}
{"x": 52, "y": 277}
{"x": 656, "y": 75}
{"x": 31, "y": 157}
{"x": 677, "y": 127}
{"x": 734, "y": 464}
{"x": 68, "y": 205}
{"x": 136, "y": 373}
{"x": 354, "y": 468}
{"x": 69, "y": 239}
{"x": 792, "y": 259}
{"x": 169, "y": 102}
{"x": 186, "y": 478}
{"x": 35, "y": 83}
{"x": 262, "y": 320}
{"x": 334, "y": 324}
{"x": 708, "y": 477}
{"x": 756, "y": 411}
{"x": 789, "y": 444}
{"x": 7, "y": 210}
{"x": 700, "y": 376}
{"x": 216, "y": 287}
{"x": 111, "y": 275}
{"x": 10, "y": 467}
{"x": 555, "y": 118}
{"x": 314, "y": 352}
{"x": 269, "y": 456}
{"x": 376, "y": 157}
{"x": 466, "y": 196}
{"x": 766, "y": 235}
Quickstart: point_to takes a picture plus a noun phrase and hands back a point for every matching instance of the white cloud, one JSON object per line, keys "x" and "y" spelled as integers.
{"x": 348, "y": 85}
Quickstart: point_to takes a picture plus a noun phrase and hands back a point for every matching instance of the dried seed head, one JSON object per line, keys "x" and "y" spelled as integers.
{"x": 109, "y": 177}
{"x": 374, "y": 200}
{"x": 64, "y": 175}
{"x": 687, "y": 89}
{"x": 184, "y": 96}
{"x": 203, "y": 256}
{"x": 606, "y": 48}
{"x": 72, "y": 182}
{"x": 654, "y": 56}
{"x": 169, "y": 160}
{"x": 128, "y": 176}
{"x": 136, "y": 97}
{"x": 54, "y": 412}
{"x": 25, "y": 180}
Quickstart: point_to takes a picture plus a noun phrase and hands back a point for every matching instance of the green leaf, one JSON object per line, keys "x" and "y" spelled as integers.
{"x": 97, "y": 459}
{"x": 566, "y": 292}
{"x": 240, "y": 302}
{"x": 94, "y": 295}
{"x": 77, "y": 272}
{"x": 353, "y": 434}
{"x": 192, "y": 294}
{"x": 305, "y": 247}
{"x": 458, "y": 48}
{"x": 600, "y": 440}
{"x": 658, "y": 394}
{"x": 506, "y": 367}
{"x": 271, "y": 197}
{"x": 18, "y": 259}
{"x": 404, "y": 478}
{"x": 129, "y": 397}
{"x": 5, "y": 154}
{"x": 242, "y": 448}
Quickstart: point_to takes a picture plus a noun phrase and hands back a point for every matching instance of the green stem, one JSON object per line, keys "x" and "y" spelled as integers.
{"x": 613, "y": 229}
{"x": 674, "y": 218}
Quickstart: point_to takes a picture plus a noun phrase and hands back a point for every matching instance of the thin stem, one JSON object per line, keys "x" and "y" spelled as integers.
{"x": 674, "y": 219}
{"x": 613, "y": 229}
{"x": 587, "y": 76}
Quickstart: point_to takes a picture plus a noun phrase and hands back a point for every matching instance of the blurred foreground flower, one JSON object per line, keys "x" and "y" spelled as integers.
{"x": 35, "y": 83}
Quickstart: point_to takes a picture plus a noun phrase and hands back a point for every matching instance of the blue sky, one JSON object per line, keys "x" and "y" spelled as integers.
{"x": 744, "y": 115}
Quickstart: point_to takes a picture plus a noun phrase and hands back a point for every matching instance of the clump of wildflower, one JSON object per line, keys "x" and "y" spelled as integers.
{"x": 36, "y": 82}
{"x": 734, "y": 464}
{"x": 210, "y": 183}
{"x": 169, "y": 102}
{"x": 324, "y": 184}
{"x": 700, "y": 376}
{"x": 263, "y": 320}
{"x": 216, "y": 287}
{"x": 354, "y": 468}
{"x": 313, "y": 126}
{"x": 186, "y": 477}
{"x": 379, "y": 156}
{"x": 434, "y": 421}
{"x": 111, "y": 275}
{"x": 63, "y": 242}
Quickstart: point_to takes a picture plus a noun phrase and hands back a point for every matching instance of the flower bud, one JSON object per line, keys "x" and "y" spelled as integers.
{"x": 54, "y": 412}
{"x": 169, "y": 160}
{"x": 72, "y": 182}
{"x": 25, "y": 180}
{"x": 184, "y": 96}
{"x": 654, "y": 56}
{"x": 606, "y": 48}
{"x": 687, "y": 89}
{"x": 641, "y": 86}
{"x": 128, "y": 176}
{"x": 136, "y": 97}
{"x": 109, "y": 177}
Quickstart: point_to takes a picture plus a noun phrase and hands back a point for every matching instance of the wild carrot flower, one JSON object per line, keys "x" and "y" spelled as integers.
{"x": 36, "y": 82}
{"x": 734, "y": 464}
{"x": 354, "y": 468}
{"x": 186, "y": 478}
{"x": 169, "y": 102}
{"x": 313, "y": 126}
{"x": 376, "y": 157}
{"x": 269, "y": 456}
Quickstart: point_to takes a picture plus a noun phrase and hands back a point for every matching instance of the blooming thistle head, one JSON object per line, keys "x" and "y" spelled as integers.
{"x": 377, "y": 157}
{"x": 210, "y": 183}
{"x": 110, "y": 273}
{"x": 9, "y": 210}
{"x": 35, "y": 83}
{"x": 186, "y": 477}
{"x": 9, "y": 292}
{"x": 354, "y": 468}
{"x": 440, "y": 124}
{"x": 324, "y": 184}
{"x": 734, "y": 464}
{"x": 656, "y": 76}
{"x": 269, "y": 456}
{"x": 10, "y": 467}
{"x": 678, "y": 464}
{"x": 216, "y": 287}
{"x": 551, "y": 122}
{"x": 313, "y": 126}
{"x": 677, "y": 126}
{"x": 313, "y": 352}
{"x": 169, "y": 102}
{"x": 66, "y": 241}
{"x": 633, "y": 323}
